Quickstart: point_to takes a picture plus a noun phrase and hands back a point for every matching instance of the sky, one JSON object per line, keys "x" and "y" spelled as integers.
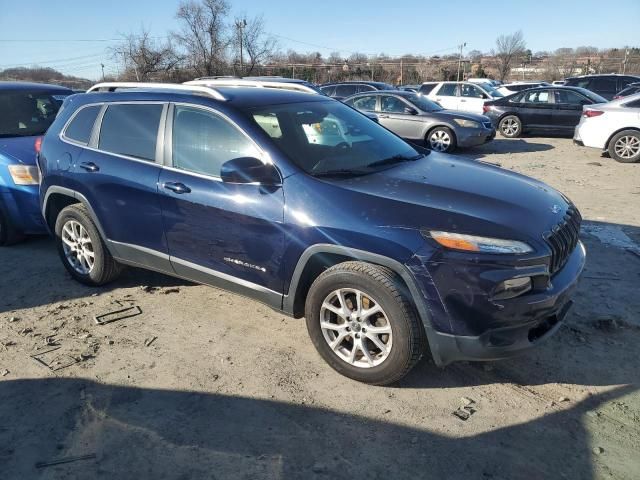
{"x": 74, "y": 36}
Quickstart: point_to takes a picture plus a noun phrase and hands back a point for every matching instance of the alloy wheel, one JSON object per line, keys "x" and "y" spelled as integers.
{"x": 627, "y": 146}
{"x": 78, "y": 248}
{"x": 440, "y": 140}
{"x": 510, "y": 127}
{"x": 356, "y": 328}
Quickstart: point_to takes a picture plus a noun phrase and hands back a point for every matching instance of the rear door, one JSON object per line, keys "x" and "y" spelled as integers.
{"x": 222, "y": 234}
{"x": 393, "y": 115}
{"x": 535, "y": 108}
{"x": 567, "y": 108}
{"x": 446, "y": 95}
{"x": 472, "y": 98}
{"x": 118, "y": 174}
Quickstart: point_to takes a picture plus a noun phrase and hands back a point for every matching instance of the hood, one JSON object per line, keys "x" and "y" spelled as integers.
{"x": 19, "y": 149}
{"x": 451, "y": 114}
{"x": 443, "y": 192}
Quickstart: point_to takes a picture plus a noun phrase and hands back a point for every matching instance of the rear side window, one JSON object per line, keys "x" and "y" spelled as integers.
{"x": 203, "y": 141}
{"x": 448, "y": 90}
{"x": 364, "y": 103}
{"x": 131, "y": 130}
{"x": 80, "y": 128}
{"x": 365, "y": 88}
{"x": 426, "y": 89}
{"x": 604, "y": 85}
{"x": 570, "y": 98}
{"x": 329, "y": 90}
{"x": 345, "y": 90}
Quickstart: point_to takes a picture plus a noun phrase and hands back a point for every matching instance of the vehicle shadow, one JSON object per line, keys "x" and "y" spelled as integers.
{"x": 143, "y": 433}
{"x": 505, "y": 146}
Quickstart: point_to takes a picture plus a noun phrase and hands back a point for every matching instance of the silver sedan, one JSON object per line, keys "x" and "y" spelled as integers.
{"x": 418, "y": 119}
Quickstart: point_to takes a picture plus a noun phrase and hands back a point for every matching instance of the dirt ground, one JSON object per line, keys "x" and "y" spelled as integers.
{"x": 208, "y": 385}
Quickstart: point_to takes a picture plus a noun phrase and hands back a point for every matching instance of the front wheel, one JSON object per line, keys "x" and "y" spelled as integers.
{"x": 81, "y": 249}
{"x": 625, "y": 146}
{"x": 441, "y": 139}
{"x": 362, "y": 323}
{"x": 510, "y": 126}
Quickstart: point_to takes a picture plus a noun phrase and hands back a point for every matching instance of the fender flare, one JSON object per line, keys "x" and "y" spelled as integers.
{"x": 401, "y": 270}
{"x": 76, "y": 195}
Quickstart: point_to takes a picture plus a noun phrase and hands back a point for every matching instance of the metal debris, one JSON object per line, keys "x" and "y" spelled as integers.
{"x": 116, "y": 315}
{"x": 149, "y": 341}
{"x": 60, "y": 461}
{"x": 56, "y": 363}
{"x": 464, "y": 413}
{"x": 4, "y": 372}
{"x": 167, "y": 291}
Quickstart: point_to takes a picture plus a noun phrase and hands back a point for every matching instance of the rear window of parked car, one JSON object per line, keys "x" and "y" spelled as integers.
{"x": 131, "y": 130}
{"x": 81, "y": 126}
{"x": 24, "y": 113}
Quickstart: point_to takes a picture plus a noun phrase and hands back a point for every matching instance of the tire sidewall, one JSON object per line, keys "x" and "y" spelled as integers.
{"x": 514, "y": 117}
{"x": 452, "y": 145}
{"x": 400, "y": 350}
{"x": 614, "y": 140}
{"x": 95, "y": 276}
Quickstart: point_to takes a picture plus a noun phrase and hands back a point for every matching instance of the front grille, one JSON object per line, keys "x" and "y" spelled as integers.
{"x": 563, "y": 238}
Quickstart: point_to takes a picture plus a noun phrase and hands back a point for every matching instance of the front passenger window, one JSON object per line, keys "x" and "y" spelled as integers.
{"x": 203, "y": 141}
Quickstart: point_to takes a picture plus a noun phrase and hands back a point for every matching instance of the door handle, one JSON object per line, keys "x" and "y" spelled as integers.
{"x": 179, "y": 188}
{"x": 89, "y": 166}
{"x": 462, "y": 100}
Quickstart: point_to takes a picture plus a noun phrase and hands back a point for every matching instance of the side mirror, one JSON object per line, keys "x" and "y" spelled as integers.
{"x": 249, "y": 170}
{"x": 410, "y": 111}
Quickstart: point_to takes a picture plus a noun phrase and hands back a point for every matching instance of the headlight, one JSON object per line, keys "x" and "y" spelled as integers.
{"x": 472, "y": 243}
{"x": 466, "y": 123}
{"x": 24, "y": 174}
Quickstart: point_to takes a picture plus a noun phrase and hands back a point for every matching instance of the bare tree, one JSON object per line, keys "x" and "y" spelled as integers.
{"x": 143, "y": 57}
{"x": 204, "y": 35}
{"x": 509, "y": 48}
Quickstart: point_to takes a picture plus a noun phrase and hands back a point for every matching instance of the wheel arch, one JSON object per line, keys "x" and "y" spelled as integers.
{"x": 606, "y": 145}
{"x": 440, "y": 125}
{"x": 57, "y": 198}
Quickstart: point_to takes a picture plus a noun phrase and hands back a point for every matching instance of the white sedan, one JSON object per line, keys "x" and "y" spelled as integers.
{"x": 612, "y": 127}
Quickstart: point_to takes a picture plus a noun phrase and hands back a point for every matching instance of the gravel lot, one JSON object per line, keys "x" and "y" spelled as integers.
{"x": 205, "y": 384}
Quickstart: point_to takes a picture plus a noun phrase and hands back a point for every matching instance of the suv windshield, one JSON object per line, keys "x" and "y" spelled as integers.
{"x": 329, "y": 138}
{"x": 490, "y": 89}
{"x": 27, "y": 113}
{"x": 424, "y": 104}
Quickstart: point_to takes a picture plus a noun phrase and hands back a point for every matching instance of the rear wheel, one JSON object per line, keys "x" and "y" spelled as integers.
{"x": 625, "y": 146}
{"x": 441, "y": 139}
{"x": 510, "y": 126}
{"x": 81, "y": 248}
{"x": 363, "y": 324}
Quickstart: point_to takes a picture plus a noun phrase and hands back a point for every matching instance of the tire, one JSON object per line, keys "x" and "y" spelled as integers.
{"x": 510, "y": 126}
{"x": 625, "y": 146}
{"x": 378, "y": 287}
{"x": 8, "y": 233}
{"x": 104, "y": 269}
{"x": 441, "y": 139}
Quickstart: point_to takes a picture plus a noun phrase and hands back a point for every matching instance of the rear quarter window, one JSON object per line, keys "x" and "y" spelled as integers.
{"x": 426, "y": 89}
{"x": 81, "y": 126}
{"x": 131, "y": 130}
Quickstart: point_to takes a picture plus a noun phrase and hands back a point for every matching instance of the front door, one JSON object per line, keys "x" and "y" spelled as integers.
{"x": 222, "y": 234}
{"x": 567, "y": 109}
{"x": 395, "y": 116}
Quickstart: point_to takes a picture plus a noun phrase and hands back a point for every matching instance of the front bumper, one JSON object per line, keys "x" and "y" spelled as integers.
{"x": 481, "y": 329}
{"x": 471, "y": 137}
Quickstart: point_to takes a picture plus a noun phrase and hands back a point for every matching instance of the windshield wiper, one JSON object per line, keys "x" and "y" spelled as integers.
{"x": 395, "y": 159}
{"x": 340, "y": 173}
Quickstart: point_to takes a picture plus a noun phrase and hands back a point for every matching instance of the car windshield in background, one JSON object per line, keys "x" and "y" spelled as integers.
{"x": 591, "y": 95}
{"x": 329, "y": 138}
{"x": 491, "y": 90}
{"x": 26, "y": 113}
{"x": 424, "y": 104}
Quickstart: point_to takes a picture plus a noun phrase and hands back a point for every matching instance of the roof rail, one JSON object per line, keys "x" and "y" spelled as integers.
{"x": 241, "y": 82}
{"x": 215, "y": 77}
{"x": 113, "y": 86}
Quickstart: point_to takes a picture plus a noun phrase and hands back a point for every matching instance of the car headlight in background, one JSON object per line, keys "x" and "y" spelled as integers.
{"x": 466, "y": 123}
{"x": 24, "y": 174}
{"x": 472, "y": 243}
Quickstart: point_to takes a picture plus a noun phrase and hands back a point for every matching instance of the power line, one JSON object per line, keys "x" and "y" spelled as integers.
{"x": 47, "y": 62}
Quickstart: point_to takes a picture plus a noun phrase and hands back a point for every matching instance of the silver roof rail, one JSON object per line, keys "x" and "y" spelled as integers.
{"x": 113, "y": 86}
{"x": 241, "y": 82}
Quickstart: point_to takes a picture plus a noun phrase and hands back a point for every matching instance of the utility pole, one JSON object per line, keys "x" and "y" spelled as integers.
{"x": 624, "y": 64}
{"x": 461, "y": 46}
{"x": 102, "y": 65}
{"x": 240, "y": 24}
{"x": 401, "y": 80}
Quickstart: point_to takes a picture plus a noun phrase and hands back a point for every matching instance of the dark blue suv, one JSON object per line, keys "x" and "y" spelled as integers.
{"x": 26, "y": 111}
{"x": 303, "y": 203}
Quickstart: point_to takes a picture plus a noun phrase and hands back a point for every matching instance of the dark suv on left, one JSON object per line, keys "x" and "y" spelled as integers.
{"x": 301, "y": 202}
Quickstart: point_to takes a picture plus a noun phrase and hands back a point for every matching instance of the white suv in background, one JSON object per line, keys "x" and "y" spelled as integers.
{"x": 465, "y": 96}
{"x": 612, "y": 127}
